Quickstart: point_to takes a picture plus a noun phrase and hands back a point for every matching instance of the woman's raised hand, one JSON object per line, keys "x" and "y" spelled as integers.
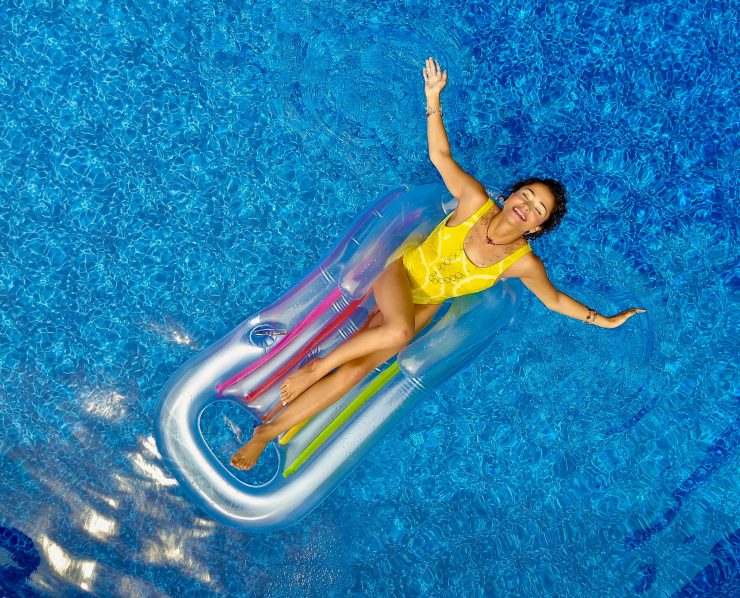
{"x": 622, "y": 317}
{"x": 434, "y": 79}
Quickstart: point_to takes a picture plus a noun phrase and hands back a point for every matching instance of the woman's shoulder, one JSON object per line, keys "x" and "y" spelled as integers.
{"x": 527, "y": 266}
{"x": 468, "y": 207}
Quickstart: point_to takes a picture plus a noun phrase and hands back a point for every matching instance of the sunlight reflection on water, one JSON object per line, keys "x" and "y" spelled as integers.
{"x": 78, "y": 572}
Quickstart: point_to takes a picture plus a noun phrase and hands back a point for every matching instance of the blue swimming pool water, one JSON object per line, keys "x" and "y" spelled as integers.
{"x": 166, "y": 169}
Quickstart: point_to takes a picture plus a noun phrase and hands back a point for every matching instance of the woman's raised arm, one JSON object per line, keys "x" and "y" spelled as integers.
{"x": 531, "y": 271}
{"x": 462, "y": 186}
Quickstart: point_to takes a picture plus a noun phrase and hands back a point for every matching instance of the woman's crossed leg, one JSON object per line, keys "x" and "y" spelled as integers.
{"x": 333, "y": 386}
{"x": 393, "y": 298}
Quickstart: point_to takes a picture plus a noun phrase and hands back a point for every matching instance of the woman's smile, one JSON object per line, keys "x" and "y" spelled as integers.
{"x": 520, "y": 213}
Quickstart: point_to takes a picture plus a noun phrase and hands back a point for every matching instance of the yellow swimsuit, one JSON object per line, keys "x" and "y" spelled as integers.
{"x": 439, "y": 269}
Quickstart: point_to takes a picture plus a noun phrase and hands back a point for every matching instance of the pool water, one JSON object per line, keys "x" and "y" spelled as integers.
{"x": 167, "y": 169}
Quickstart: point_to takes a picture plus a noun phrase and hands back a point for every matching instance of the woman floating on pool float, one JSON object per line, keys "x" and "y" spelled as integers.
{"x": 466, "y": 253}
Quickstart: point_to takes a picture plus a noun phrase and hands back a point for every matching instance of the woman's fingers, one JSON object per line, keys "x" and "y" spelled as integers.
{"x": 628, "y": 313}
{"x": 432, "y": 70}
{"x": 434, "y": 78}
{"x": 620, "y": 318}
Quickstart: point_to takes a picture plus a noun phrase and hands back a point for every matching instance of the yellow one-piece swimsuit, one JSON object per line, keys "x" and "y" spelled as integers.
{"x": 439, "y": 268}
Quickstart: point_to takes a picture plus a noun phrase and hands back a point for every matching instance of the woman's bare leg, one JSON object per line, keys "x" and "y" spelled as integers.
{"x": 323, "y": 393}
{"x": 393, "y": 298}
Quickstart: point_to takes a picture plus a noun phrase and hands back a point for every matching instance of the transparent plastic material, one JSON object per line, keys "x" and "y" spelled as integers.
{"x": 324, "y": 309}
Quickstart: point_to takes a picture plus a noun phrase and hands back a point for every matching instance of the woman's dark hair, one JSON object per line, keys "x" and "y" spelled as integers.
{"x": 559, "y": 193}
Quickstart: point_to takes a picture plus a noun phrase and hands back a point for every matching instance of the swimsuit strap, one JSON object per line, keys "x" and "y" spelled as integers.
{"x": 514, "y": 257}
{"x": 473, "y": 218}
{"x": 483, "y": 209}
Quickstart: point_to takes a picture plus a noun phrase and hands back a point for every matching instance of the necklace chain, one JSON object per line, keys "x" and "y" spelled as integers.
{"x": 491, "y": 241}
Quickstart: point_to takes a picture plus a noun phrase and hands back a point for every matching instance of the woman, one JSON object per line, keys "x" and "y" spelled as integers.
{"x": 466, "y": 253}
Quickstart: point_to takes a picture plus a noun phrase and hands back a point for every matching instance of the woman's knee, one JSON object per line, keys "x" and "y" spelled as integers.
{"x": 400, "y": 334}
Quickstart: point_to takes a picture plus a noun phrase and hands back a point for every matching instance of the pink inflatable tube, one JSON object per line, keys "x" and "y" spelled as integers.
{"x": 326, "y": 308}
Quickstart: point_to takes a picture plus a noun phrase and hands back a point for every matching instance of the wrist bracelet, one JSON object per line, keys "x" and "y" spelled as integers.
{"x": 591, "y": 316}
{"x": 431, "y": 111}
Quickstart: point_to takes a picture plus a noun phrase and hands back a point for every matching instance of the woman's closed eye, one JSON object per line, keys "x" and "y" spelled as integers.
{"x": 540, "y": 208}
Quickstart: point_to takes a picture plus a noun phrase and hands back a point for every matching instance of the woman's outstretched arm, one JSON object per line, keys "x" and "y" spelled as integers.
{"x": 462, "y": 186}
{"x": 532, "y": 273}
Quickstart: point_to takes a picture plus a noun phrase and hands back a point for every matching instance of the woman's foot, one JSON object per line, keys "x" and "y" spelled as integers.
{"x": 249, "y": 454}
{"x": 300, "y": 380}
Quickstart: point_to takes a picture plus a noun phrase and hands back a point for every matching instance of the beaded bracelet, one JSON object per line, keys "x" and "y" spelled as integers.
{"x": 591, "y": 317}
{"x": 431, "y": 111}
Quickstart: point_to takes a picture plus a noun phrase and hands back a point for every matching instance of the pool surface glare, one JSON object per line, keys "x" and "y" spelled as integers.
{"x": 169, "y": 169}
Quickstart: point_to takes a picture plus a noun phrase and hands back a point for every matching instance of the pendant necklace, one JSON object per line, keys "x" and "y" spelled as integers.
{"x": 491, "y": 241}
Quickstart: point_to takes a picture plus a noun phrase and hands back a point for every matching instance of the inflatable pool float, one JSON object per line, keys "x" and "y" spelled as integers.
{"x": 328, "y": 306}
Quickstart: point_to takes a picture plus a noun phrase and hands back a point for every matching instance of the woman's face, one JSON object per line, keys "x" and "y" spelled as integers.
{"x": 529, "y": 207}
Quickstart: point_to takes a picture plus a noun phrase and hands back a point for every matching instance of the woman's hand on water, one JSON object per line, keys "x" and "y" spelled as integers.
{"x": 434, "y": 79}
{"x": 620, "y": 318}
